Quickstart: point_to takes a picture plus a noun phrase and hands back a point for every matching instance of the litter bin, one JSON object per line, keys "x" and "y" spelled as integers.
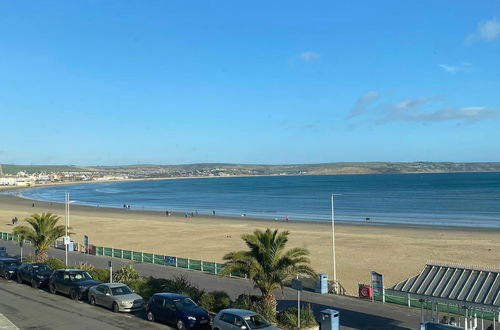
{"x": 322, "y": 284}
{"x": 330, "y": 319}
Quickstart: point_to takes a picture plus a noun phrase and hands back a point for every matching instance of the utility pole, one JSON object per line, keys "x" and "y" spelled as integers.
{"x": 335, "y": 283}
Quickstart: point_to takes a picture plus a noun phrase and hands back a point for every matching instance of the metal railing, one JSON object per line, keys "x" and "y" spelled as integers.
{"x": 395, "y": 297}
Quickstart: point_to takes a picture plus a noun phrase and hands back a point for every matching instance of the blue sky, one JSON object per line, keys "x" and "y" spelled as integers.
{"x": 169, "y": 82}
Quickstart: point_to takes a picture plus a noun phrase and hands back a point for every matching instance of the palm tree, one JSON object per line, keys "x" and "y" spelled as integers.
{"x": 43, "y": 232}
{"x": 267, "y": 263}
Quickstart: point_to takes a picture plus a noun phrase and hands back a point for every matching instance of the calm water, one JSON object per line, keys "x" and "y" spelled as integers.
{"x": 456, "y": 199}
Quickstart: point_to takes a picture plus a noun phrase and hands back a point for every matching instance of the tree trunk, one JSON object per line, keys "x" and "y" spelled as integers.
{"x": 41, "y": 255}
{"x": 270, "y": 304}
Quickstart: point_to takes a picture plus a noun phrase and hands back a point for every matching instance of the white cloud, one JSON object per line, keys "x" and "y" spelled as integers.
{"x": 361, "y": 104}
{"x": 309, "y": 56}
{"x": 421, "y": 109}
{"x": 452, "y": 69}
{"x": 488, "y": 30}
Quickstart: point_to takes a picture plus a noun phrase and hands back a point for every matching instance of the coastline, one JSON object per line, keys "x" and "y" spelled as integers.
{"x": 397, "y": 252}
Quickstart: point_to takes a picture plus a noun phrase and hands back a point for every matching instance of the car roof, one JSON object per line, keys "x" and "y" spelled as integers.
{"x": 8, "y": 259}
{"x": 238, "y": 312}
{"x": 70, "y": 270}
{"x": 114, "y": 285}
{"x": 170, "y": 295}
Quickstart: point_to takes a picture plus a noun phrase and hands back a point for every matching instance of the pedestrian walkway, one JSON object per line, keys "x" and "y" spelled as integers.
{"x": 5, "y": 324}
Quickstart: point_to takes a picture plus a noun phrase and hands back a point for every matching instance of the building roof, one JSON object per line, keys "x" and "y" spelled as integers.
{"x": 473, "y": 286}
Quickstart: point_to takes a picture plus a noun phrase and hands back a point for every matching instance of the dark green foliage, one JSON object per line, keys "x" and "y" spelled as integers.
{"x": 245, "y": 301}
{"x": 287, "y": 318}
{"x": 178, "y": 284}
{"x": 56, "y": 263}
{"x": 207, "y": 301}
{"x": 222, "y": 301}
{"x": 100, "y": 274}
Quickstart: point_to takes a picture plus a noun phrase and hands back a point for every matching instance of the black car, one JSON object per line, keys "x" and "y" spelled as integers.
{"x": 74, "y": 282}
{"x": 8, "y": 267}
{"x": 35, "y": 273}
{"x": 178, "y": 310}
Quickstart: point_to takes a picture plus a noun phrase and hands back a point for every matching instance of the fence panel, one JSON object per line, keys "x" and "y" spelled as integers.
{"x": 194, "y": 264}
{"x": 170, "y": 261}
{"x": 99, "y": 250}
{"x": 159, "y": 259}
{"x": 4, "y": 235}
{"x": 127, "y": 254}
{"x": 182, "y": 262}
{"x": 137, "y": 256}
{"x": 117, "y": 253}
{"x": 218, "y": 268}
{"x": 209, "y": 267}
{"x": 108, "y": 252}
{"x": 147, "y": 257}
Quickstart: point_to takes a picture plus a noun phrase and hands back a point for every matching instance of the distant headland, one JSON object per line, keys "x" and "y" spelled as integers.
{"x": 62, "y": 173}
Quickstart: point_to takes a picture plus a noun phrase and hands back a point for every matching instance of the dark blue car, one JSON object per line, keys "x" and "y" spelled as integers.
{"x": 178, "y": 310}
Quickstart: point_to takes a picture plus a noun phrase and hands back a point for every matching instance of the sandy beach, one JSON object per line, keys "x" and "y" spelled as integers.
{"x": 396, "y": 252}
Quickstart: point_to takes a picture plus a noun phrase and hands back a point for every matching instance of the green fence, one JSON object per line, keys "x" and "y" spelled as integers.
{"x": 159, "y": 259}
{"x": 395, "y": 297}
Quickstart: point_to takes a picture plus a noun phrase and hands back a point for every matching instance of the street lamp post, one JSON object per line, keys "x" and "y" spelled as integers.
{"x": 335, "y": 283}
{"x": 66, "y": 243}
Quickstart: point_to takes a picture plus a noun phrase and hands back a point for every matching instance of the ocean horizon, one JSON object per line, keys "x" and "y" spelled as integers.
{"x": 428, "y": 199}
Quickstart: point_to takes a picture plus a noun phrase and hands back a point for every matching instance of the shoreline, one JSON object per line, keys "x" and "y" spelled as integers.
{"x": 397, "y": 252}
{"x": 4, "y": 190}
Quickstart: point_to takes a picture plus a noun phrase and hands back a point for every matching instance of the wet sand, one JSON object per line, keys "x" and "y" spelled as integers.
{"x": 395, "y": 251}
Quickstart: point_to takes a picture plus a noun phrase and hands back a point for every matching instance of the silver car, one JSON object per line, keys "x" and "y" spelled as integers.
{"x": 240, "y": 319}
{"x": 116, "y": 296}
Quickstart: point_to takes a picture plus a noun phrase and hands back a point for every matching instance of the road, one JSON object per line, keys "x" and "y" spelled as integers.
{"x": 30, "y": 308}
{"x": 354, "y": 313}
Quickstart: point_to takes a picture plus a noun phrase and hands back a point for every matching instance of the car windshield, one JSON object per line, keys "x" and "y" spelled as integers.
{"x": 79, "y": 276}
{"x": 12, "y": 263}
{"x": 41, "y": 268}
{"x": 184, "y": 303}
{"x": 256, "y": 321}
{"x": 121, "y": 290}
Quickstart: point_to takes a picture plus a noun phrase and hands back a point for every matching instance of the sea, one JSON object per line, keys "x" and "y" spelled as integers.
{"x": 430, "y": 199}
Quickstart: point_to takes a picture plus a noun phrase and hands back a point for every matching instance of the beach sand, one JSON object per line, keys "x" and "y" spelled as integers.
{"x": 396, "y": 252}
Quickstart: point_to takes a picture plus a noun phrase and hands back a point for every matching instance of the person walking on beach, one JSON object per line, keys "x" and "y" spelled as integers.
{"x": 213, "y": 212}
{"x": 286, "y": 218}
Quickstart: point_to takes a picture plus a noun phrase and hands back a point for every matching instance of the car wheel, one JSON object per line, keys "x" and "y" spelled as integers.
{"x": 150, "y": 316}
{"x": 115, "y": 308}
{"x": 19, "y": 279}
{"x": 34, "y": 284}
{"x": 92, "y": 300}
{"x": 74, "y": 295}
{"x": 180, "y": 325}
{"x": 52, "y": 288}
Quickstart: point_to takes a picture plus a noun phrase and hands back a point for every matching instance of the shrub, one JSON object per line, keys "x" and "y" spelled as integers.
{"x": 207, "y": 301}
{"x": 287, "y": 318}
{"x": 56, "y": 263}
{"x": 126, "y": 274}
{"x": 215, "y": 301}
{"x": 221, "y": 301}
{"x": 100, "y": 274}
{"x": 245, "y": 301}
{"x": 85, "y": 266}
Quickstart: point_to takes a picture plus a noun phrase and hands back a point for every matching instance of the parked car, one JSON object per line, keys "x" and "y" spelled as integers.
{"x": 73, "y": 282}
{"x": 116, "y": 296}
{"x": 232, "y": 319}
{"x": 8, "y": 267}
{"x": 37, "y": 274}
{"x": 176, "y": 309}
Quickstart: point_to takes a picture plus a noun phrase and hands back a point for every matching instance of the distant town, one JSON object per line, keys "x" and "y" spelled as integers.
{"x": 30, "y": 175}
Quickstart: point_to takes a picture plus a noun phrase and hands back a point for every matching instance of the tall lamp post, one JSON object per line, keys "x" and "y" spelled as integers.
{"x": 335, "y": 283}
{"x": 66, "y": 239}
